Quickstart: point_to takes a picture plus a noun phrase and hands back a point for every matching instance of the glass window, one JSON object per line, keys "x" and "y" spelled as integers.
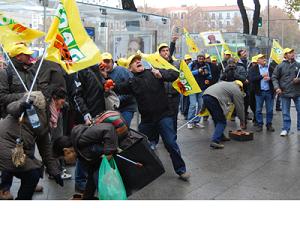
{"x": 220, "y": 16}
{"x": 228, "y": 15}
{"x": 213, "y": 16}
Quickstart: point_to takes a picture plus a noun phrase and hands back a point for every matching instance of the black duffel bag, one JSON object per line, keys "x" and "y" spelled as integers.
{"x": 136, "y": 148}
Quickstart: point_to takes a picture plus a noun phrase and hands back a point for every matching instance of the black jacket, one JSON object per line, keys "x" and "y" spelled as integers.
{"x": 215, "y": 73}
{"x": 11, "y": 88}
{"x": 51, "y": 75}
{"x": 90, "y": 142}
{"x": 150, "y": 93}
{"x": 88, "y": 93}
{"x": 255, "y": 78}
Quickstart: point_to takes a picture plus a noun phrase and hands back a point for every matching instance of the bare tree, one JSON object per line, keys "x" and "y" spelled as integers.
{"x": 244, "y": 15}
{"x": 129, "y": 5}
{"x": 255, "y": 17}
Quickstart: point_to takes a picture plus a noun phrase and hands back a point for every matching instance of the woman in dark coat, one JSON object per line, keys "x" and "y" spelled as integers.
{"x": 31, "y": 170}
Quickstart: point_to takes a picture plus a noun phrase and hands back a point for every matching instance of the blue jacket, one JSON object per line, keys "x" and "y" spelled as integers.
{"x": 119, "y": 75}
{"x": 205, "y": 75}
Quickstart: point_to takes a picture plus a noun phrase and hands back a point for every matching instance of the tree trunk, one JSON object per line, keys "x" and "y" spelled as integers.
{"x": 255, "y": 17}
{"x": 129, "y": 5}
{"x": 244, "y": 16}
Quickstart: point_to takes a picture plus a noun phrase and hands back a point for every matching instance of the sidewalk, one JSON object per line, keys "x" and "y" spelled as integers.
{"x": 266, "y": 168}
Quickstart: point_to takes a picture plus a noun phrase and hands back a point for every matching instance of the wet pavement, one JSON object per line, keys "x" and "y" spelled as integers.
{"x": 266, "y": 168}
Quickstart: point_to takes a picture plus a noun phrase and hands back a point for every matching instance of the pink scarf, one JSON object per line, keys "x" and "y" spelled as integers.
{"x": 54, "y": 114}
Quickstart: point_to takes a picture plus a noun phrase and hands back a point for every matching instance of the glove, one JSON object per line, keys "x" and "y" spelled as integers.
{"x": 59, "y": 180}
{"x": 25, "y": 105}
{"x": 109, "y": 84}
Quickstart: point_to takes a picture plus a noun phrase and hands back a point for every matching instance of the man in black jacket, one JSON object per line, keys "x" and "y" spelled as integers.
{"x": 148, "y": 88}
{"x": 264, "y": 92}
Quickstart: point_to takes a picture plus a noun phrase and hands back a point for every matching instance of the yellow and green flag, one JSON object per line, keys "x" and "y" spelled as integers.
{"x": 276, "y": 52}
{"x": 228, "y": 116}
{"x": 186, "y": 83}
{"x": 70, "y": 45}
{"x": 12, "y": 32}
{"x": 193, "y": 48}
{"x": 158, "y": 62}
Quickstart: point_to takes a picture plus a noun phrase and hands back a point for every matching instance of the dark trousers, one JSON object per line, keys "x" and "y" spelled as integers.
{"x": 6, "y": 181}
{"x": 252, "y": 103}
{"x": 165, "y": 127}
{"x": 217, "y": 114}
{"x": 29, "y": 180}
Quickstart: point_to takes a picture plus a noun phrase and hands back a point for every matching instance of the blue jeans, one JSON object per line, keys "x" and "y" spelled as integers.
{"x": 286, "y": 105}
{"x": 217, "y": 115}
{"x": 80, "y": 176}
{"x": 165, "y": 128}
{"x": 268, "y": 98}
{"x": 127, "y": 117}
{"x": 195, "y": 106}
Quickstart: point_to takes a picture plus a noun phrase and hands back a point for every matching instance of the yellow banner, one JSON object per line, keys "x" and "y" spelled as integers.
{"x": 158, "y": 62}
{"x": 228, "y": 116}
{"x": 276, "y": 52}
{"x": 193, "y": 48}
{"x": 12, "y": 32}
{"x": 70, "y": 45}
{"x": 186, "y": 83}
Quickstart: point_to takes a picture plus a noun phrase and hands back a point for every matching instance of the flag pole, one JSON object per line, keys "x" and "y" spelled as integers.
{"x": 34, "y": 80}
{"x": 13, "y": 66}
{"x": 178, "y": 129}
{"x": 220, "y": 58}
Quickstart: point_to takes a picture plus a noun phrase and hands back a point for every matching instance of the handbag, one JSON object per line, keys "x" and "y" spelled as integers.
{"x": 110, "y": 183}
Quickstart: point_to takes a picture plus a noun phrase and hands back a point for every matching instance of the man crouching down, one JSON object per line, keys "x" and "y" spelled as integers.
{"x": 90, "y": 143}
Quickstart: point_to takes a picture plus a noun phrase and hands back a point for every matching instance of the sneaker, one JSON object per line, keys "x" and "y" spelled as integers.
{"x": 190, "y": 126}
{"x": 185, "y": 176}
{"x": 284, "y": 133}
{"x": 259, "y": 128}
{"x": 66, "y": 176}
{"x": 39, "y": 188}
{"x": 270, "y": 128}
{"x": 216, "y": 145}
{"x": 199, "y": 125}
{"x": 6, "y": 195}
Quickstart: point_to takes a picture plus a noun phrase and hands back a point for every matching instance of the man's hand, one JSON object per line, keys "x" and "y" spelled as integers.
{"x": 278, "y": 91}
{"x": 296, "y": 80}
{"x": 267, "y": 78}
{"x": 206, "y": 82}
{"x": 156, "y": 73}
{"x": 200, "y": 70}
{"x": 174, "y": 38}
{"x": 109, "y": 85}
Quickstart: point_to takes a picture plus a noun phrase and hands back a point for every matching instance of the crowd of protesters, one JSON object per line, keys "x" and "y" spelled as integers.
{"x": 66, "y": 106}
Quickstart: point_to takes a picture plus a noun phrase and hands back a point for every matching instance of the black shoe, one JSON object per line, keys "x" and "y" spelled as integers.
{"x": 216, "y": 145}
{"x": 270, "y": 128}
{"x": 259, "y": 128}
{"x": 224, "y": 138}
{"x": 278, "y": 109}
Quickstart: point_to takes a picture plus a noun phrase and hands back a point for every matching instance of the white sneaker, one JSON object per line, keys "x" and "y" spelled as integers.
{"x": 190, "y": 126}
{"x": 283, "y": 133}
{"x": 199, "y": 125}
{"x": 66, "y": 176}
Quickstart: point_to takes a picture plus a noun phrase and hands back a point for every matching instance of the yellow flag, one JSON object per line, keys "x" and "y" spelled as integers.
{"x": 158, "y": 62}
{"x": 190, "y": 42}
{"x": 228, "y": 116}
{"x": 70, "y": 45}
{"x": 12, "y": 32}
{"x": 276, "y": 52}
{"x": 186, "y": 83}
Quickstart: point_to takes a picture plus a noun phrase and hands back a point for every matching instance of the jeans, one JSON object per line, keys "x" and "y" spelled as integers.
{"x": 184, "y": 105}
{"x": 29, "y": 180}
{"x": 195, "y": 106}
{"x": 268, "y": 98}
{"x": 286, "y": 105}
{"x": 166, "y": 130}
{"x": 217, "y": 115}
{"x": 127, "y": 117}
{"x": 80, "y": 176}
{"x": 6, "y": 181}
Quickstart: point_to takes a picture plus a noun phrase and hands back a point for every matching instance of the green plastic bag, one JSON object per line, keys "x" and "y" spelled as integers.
{"x": 110, "y": 183}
